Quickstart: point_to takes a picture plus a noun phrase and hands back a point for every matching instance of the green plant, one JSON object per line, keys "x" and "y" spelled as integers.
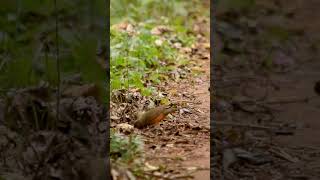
{"x": 125, "y": 149}
{"x": 137, "y": 60}
{"x": 138, "y": 10}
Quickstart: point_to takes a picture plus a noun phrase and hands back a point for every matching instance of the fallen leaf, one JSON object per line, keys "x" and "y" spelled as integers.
{"x": 158, "y": 30}
{"x": 149, "y": 167}
{"x": 158, "y": 42}
{"x": 125, "y": 128}
{"x": 184, "y": 111}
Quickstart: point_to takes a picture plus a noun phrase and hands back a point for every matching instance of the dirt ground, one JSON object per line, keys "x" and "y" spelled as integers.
{"x": 188, "y": 152}
{"x": 283, "y": 100}
{"x": 181, "y": 142}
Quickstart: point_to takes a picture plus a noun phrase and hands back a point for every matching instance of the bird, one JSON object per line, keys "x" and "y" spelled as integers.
{"x": 153, "y": 116}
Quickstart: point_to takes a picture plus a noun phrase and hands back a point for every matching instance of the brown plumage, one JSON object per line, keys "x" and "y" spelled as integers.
{"x": 153, "y": 116}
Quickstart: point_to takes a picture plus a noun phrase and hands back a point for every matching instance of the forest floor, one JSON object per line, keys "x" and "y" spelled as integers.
{"x": 268, "y": 108}
{"x": 184, "y": 142}
{"x": 178, "y": 147}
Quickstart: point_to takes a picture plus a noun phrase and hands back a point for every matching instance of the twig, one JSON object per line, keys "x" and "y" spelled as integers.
{"x": 242, "y": 125}
{"x": 157, "y": 176}
{"x": 185, "y": 176}
{"x": 231, "y": 146}
{"x": 185, "y": 101}
{"x": 278, "y": 101}
{"x": 182, "y": 176}
{"x": 288, "y": 101}
{"x": 284, "y": 155}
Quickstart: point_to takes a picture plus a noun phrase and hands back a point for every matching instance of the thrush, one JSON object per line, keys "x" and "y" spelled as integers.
{"x": 153, "y": 116}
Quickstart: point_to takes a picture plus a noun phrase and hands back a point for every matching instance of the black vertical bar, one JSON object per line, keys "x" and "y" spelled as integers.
{"x": 58, "y": 62}
{"x": 108, "y": 87}
{"x": 212, "y": 27}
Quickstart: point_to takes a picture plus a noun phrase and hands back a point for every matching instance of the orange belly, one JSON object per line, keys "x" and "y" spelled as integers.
{"x": 158, "y": 119}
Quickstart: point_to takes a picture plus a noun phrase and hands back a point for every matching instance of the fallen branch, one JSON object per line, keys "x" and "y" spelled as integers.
{"x": 288, "y": 101}
{"x": 278, "y": 101}
{"x": 182, "y": 176}
{"x": 284, "y": 155}
{"x": 273, "y": 130}
{"x": 242, "y": 125}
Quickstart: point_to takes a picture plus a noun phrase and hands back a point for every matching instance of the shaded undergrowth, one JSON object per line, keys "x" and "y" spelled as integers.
{"x": 28, "y": 42}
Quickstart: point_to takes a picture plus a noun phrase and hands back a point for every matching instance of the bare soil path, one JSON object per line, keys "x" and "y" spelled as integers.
{"x": 183, "y": 141}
